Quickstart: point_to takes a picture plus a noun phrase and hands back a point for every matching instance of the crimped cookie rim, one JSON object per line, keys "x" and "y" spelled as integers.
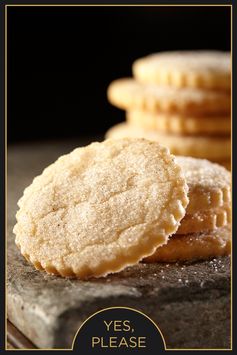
{"x": 218, "y": 218}
{"x": 225, "y": 250}
{"x": 178, "y": 123}
{"x": 180, "y": 76}
{"x": 127, "y": 94}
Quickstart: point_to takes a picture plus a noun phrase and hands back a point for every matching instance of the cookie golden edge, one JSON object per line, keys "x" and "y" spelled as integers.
{"x": 194, "y": 246}
{"x": 147, "y": 246}
{"x": 212, "y": 199}
{"x": 204, "y": 198}
{"x": 182, "y": 80}
{"x": 205, "y": 221}
{"x": 180, "y": 124}
{"x": 129, "y": 94}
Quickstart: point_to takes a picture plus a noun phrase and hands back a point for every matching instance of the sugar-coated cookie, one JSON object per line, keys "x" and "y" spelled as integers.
{"x": 180, "y": 124}
{"x": 209, "y": 185}
{"x": 101, "y": 208}
{"x": 202, "y": 69}
{"x": 196, "y": 246}
{"x": 207, "y": 220}
{"x": 129, "y": 94}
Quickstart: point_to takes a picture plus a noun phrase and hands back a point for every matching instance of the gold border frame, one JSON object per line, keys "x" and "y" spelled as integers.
{"x": 6, "y": 166}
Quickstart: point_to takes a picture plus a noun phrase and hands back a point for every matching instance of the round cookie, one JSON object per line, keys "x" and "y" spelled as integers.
{"x": 196, "y": 246}
{"x": 202, "y": 69}
{"x": 101, "y": 208}
{"x": 197, "y": 146}
{"x": 180, "y": 124}
{"x": 203, "y": 221}
{"x": 209, "y": 185}
{"x": 129, "y": 94}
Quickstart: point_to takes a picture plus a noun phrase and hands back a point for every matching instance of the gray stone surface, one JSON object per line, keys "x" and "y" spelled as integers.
{"x": 190, "y": 303}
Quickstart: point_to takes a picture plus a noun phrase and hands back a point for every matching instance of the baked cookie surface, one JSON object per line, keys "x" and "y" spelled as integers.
{"x": 101, "y": 208}
{"x": 203, "y": 69}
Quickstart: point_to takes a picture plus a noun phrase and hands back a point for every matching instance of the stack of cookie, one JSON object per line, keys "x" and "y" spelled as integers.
{"x": 205, "y": 231}
{"x": 109, "y": 205}
{"x": 180, "y": 99}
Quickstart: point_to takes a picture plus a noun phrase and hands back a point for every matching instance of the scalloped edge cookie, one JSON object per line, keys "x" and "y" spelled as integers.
{"x": 101, "y": 208}
{"x": 205, "y": 220}
{"x": 128, "y": 94}
{"x": 195, "y": 246}
{"x": 197, "y": 69}
{"x": 209, "y": 184}
{"x": 180, "y": 124}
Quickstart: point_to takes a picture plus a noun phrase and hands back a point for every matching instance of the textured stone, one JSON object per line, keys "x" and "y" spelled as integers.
{"x": 190, "y": 303}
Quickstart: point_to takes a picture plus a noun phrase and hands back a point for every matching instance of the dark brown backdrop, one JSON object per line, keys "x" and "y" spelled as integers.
{"x": 61, "y": 60}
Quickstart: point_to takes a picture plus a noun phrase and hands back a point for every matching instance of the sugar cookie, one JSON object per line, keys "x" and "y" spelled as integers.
{"x": 203, "y": 69}
{"x": 209, "y": 184}
{"x": 180, "y": 124}
{"x": 205, "y": 220}
{"x": 129, "y": 94}
{"x": 196, "y": 246}
{"x": 101, "y": 208}
{"x": 197, "y": 146}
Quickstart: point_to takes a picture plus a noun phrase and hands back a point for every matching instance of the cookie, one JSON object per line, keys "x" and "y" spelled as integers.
{"x": 180, "y": 124}
{"x": 209, "y": 185}
{"x": 205, "y": 220}
{"x": 101, "y": 208}
{"x": 196, "y": 69}
{"x": 196, "y": 246}
{"x": 129, "y": 94}
{"x": 213, "y": 148}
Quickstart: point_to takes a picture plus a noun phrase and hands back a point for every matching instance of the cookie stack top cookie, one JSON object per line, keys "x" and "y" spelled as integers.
{"x": 180, "y": 99}
{"x": 193, "y": 69}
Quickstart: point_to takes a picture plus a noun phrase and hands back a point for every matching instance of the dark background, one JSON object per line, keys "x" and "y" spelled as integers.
{"x": 61, "y": 60}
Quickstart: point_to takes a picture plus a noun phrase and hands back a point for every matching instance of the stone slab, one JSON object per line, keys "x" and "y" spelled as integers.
{"x": 190, "y": 302}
